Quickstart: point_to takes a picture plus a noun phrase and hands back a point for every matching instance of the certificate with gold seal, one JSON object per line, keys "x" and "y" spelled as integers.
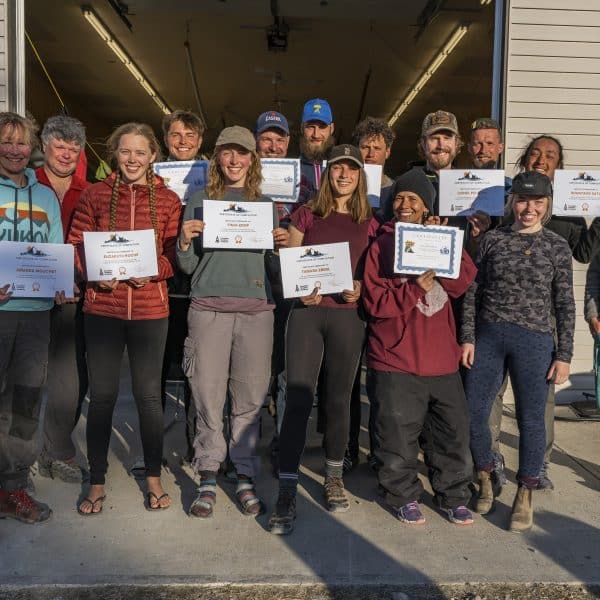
{"x": 576, "y": 193}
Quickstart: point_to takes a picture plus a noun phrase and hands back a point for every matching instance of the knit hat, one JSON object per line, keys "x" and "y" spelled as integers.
{"x": 417, "y": 182}
{"x": 237, "y": 135}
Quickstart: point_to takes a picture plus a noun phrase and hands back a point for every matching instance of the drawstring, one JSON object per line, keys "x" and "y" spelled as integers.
{"x": 16, "y": 216}
{"x": 30, "y": 215}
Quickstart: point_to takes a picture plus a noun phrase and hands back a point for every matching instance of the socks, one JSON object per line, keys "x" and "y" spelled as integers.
{"x": 288, "y": 482}
{"x": 334, "y": 468}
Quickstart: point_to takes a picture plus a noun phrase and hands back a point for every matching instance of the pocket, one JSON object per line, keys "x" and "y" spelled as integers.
{"x": 188, "y": 363}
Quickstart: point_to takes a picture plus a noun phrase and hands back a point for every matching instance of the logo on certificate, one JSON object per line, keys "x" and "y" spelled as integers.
{"x": 312, "y": 253}
{"x": 33, "y": 251}
{"x": 409, "y": 246}
{"x": 35, "y": 286}
{"x": 583, "y": 176}
{"x": 236, "y": 208}
{"x": 115, "y": 238}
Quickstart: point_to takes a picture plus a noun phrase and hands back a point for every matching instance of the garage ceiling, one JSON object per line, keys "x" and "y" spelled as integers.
{"x": 334, "y": 46}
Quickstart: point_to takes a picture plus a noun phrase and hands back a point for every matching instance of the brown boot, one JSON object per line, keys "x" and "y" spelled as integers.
{"x": 485, "y": 499}
{"x": 521, "y": 517}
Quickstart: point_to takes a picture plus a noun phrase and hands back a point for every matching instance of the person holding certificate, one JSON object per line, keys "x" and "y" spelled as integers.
{"x": 413, "y": 359}
{"x": 230, "y": 326}
{"x": 524, "y": 283}
{"x": 130, "y": 313}
{"x": 324, "y": 332}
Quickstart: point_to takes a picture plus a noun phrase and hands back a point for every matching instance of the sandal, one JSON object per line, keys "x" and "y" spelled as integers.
{"x": 157, "y": 499}
{"x": 250, "y": 504}
{"x": 204, "y": 504}
{"x": 93, "y": 504}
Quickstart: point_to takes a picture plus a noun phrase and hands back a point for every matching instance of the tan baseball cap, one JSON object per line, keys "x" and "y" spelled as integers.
{"x": 440, "y": 120}
{"x": 237, "y": 135}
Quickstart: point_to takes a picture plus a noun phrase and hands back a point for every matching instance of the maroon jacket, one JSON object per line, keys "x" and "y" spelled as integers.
{"x": 70, "y": 200}
{"x": 410, "y": 331}
{"x": 133, "y": 213}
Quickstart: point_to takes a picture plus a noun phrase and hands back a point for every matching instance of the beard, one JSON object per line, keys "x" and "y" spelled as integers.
{"x": 316, "y": 153}
{"x": 440, "y": 160}
{"x": 483, "y": 164}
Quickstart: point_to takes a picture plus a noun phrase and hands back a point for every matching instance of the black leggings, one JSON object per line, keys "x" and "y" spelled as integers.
{"x": 332, "y": 337}
{"x": 106, "y": 339}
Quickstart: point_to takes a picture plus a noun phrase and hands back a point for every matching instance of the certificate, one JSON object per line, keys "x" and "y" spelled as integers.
{"x": 324, "y": 266}
{"x": 183, "y": 177}
{"x": 120, "y": 254}
{"x": 576, "y": 193}
{"x": 419, "y": 248}
{"x": 36, "y": 270}
{"x": 281, "y": 178}
{"x": 373, "y": 173}
{"x": 237, "y": 225}
{"x": 464, "y": 192}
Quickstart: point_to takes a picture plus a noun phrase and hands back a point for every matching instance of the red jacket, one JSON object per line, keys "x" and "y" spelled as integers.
{"x": 410, "y": 331}
{"x": 133, "y": 212}
{"x": 70, "y": 199}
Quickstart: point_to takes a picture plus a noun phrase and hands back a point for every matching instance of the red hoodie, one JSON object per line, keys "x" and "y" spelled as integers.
{"x": 410, "y": 331}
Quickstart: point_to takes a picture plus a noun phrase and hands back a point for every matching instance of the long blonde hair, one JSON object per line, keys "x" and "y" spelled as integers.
{"x": 215, "y": 188}
{"x": 358, "y": 206}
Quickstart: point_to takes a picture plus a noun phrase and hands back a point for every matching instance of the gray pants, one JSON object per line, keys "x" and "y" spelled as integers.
{"x": 495, "y": 421}
{"x": 67, "y": 379}
{"x": 24, "y": 338}
{"x": 228, "y": 352}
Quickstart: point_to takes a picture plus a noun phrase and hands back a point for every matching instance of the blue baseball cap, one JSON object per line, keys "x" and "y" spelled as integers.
{"x": 317, "y": 109}
{"x": 272, "y": 119}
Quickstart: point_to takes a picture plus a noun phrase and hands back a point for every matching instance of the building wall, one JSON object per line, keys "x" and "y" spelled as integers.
{"x": 3, "y": 58}
{"x": 553, "y": 86}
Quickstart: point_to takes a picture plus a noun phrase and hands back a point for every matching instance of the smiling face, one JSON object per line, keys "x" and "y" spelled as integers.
{"x": 440, "y": 149}
{"x": 529, "y": 211}
{"x": 182, "y": 141}
{"x": 234, "y": 161}
{"x": 543, "y": 157}
{"x": 134, "y": 156}
{"x": 60, "y": 157}
{"x": 15, "y": 150}
{"x": 485, "y": 146}
{"x": 344, "y": 176}
{"x": 409, "y": 208}
{"x": 272, "y": 143}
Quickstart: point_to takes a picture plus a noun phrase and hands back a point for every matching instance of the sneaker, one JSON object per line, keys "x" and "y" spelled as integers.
{"x": 335, "y": 495}
{"x": 284, "y": 515}
{"x": 409, "y": 513}
{"x": 373, "y": 462}
{"x": 544, "y": 483}
{"x": 19, "y": 505}
{"x": 499, "y": 479}
{"x": 350, "y": 461}
{"x": 67, "y": 471}
{"x": 460, "y": 515}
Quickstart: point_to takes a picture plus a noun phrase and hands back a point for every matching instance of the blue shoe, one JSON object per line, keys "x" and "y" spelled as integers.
{"x": 460, "y": 515}
{"x": 409, "y": 513}
{"x": 544, "y": 483}
{"x": 499, "y": 479}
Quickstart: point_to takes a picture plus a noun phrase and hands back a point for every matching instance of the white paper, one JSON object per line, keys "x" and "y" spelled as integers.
{"x": 419, "y": 248}
{"x": 373, "y": 173}
{"x": 237, "y": 225}
{"x": 120, "y": 254}
{"x": 464, "y": 192}
{"x": 36, "y": 270}
{"x": 183, "y": 177}
{"x": 576, "y": 193}
{"x": 281, "y": 178}
{"x": 323, "y": 266}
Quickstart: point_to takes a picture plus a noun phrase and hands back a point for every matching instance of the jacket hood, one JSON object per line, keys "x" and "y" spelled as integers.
{"x": 31, "y": 180}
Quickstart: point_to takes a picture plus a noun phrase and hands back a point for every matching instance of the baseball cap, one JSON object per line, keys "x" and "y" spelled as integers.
{"x": 531, "y": 183}
{"x": 237, "y": 135}
{"x": 345, "y": 152}
{"x": 485, "y": 123}
{"x": 272, "y": 120}
{"x": 317, "y": 109}
{"x": 439, "y": 120}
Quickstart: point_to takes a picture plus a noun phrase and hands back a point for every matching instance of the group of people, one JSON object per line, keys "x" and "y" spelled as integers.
{"x": 438, "y": 351}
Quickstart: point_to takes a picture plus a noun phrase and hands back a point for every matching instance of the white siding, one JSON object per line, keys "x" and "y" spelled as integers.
{"x": 3, "y": 58}
{"x": 553, "y": 86}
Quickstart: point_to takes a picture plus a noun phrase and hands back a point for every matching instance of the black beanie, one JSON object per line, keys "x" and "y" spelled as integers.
{"x": 417, "y": 182}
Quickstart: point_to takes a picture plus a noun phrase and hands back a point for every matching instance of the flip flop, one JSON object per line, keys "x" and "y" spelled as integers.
{"x": 93, "y": 503}
{"x": 157, "y": 499}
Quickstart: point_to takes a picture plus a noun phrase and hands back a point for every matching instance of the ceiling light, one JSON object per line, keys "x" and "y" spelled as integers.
{"x": 429, "y": 71}
{"x": 485, "y": 2}
{"x": 122, "y": 55}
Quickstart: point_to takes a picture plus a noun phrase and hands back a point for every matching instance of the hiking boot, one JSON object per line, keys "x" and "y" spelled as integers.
{"x": 19, "y": 505}
{"x": 485, "y": 498}
{"x": 499, "y": 479}
{"x": 544, "y": 483}
{"x": 335, "y": 495}
{"x": 67, "y": 471}
{"x": 409, "y": 513}
{"x": 460, "y": 515}
{"x": 521, "y": 517}
{"x": 282, "y": 520}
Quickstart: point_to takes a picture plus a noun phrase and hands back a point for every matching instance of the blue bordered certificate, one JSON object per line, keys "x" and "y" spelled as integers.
{"x": 419, "y": 248}
{"x": 576, "y": 193}
{"x": 183, "y": 177}
{"x": 237, "y": 225}
{"x": 462, "y": 192}
{"x": 323, "y": 266}
{"x": 120, "y": 254}
{"x": 281, "y": 178}
{"x": 36, "y": 270}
